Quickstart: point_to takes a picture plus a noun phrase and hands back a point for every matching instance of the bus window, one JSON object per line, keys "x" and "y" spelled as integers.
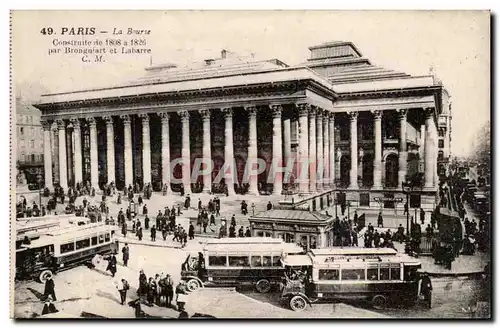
{"x": 256, "y": 261}
{"x": 328, "y": 274}
{"x": 384, "y": 273}
{"x": 238, "y": 261}
{"x": 217, "y": 260}
{"x": 69, "y": 247}
{"x": 372, "y": 273}
{"x": 353, "y": 274}
{"x": 266, "y": 261}
{"x": 94, "y": 241}
{"x": 82, "y": 243}
{"x": 107, "y": 237}
{"x": 395, "y": 273}
{"x": 276, "y": 261}
{"x": 101, "y": 239}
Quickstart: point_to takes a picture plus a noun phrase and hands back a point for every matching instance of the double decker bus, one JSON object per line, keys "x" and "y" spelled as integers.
{"x": 380, "y": 275}
{"x": 62, "y": 249}
{"x": 230, "y": 262}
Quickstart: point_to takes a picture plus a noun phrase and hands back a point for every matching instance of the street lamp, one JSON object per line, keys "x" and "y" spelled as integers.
{"x": 407, "y": 188}
{"x": 39, "y": 180}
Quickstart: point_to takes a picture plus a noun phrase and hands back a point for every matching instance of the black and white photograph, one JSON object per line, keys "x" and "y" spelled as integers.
{"x": 265, "y": 164}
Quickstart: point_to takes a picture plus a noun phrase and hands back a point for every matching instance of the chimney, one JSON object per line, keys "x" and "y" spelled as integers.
{"x": 223, "y": 54}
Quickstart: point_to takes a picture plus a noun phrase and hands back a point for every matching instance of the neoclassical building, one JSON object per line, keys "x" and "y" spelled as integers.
{"x": 366, "y": 128}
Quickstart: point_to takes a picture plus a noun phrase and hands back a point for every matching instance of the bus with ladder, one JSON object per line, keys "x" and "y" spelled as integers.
{"x": 379, "y": 275}
{"x": 231, "y": 262}
{"x": 64, "y": 248}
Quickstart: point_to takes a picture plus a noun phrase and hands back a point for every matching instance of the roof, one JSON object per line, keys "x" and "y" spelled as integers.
{"x": 353, "y": 251}
{"x": 297, "y": 260}
{"x": 69, "y": 233}
{"x": 245, "y": 241}
{"x": 294, "y": 215}
{"x": 274, "y": 248}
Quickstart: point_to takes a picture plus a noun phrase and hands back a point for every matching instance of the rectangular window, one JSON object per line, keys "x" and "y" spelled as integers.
{"x": 396, "y": 273}
{"x": 69, "y": 247}
{"x": 217, "y": 260}
{"x": 276, "y": 261}
{"x": 82, "y": 243}
{"x": 260, "y": 233}
{"x": 441, "y": 143}
{"x": 101, "y": 239}
{"x": 384, "y": 273}
{"x": 328, "y": 274}
{"x": 256, "y": 261}
{"x": 238, "y": 261}
{"x": 353, "y": 274}
{"x": 107, "y": 237}
{"x": 372, "y": 273}
{"x": 266, "y": 261}
{"x": 94, "y": 241}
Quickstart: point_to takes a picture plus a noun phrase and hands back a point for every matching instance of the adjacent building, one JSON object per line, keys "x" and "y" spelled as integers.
{"x": 365, "y": 128}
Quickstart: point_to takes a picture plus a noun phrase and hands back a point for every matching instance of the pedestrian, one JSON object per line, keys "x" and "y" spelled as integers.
{"x": 143, "y": 282}
{"x": 212, "y": 220}
{"x": 241, "y": 233}
{"x": 126, "y": 254}
{"x": 248, "y": 233}
{"x": 426, "y": 289}
{"x": 181, "y": 292}
{"x": 380, "y": 220}
{"x": 145, "y": 210}
{"x": 191, "y": 231}
{"x": 49, "y": 307}
{"x": 49, "y": 289}
{"x": 111, "y": 265}
{"x": 405, "y": 209}
{"x": 139, "y": 234}
{"x": 153, "y": 233}
{"x": 124, "y": 229}
{"x": 146, "y": 223}
{"x": 269, "y": 206}
{"x": 123, "y": 286}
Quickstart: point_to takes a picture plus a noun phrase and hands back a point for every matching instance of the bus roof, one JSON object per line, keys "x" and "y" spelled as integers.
{"x": 353, "y": 251}
{"x": 67, "y": 234}
{"x": 248, "y": 248}
{"x": 246, "y": 241}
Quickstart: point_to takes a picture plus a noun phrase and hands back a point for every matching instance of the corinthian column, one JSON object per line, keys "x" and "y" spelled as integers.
{"x": 186, "y": 152}
{"x": 110, "y": 148}
{"x": 319, "y": 150}
{"x": 127, "y": 153}
{"x": 354, "y": 150}
{"x": 326, "y": 154}
{"x": 287, "y": 145}
{"x": 277, "y": 150}
{"x": 252, "y": 150}
{"x": 146, "y": 149}
{"x": 94, "y": 171}
{"x": 229, "y": 151}
{"x": 303, "y": 161}
{"x": 429, "y": 151}
{"x": 331, "y": 149}
{"x": 207, "y": 150}
{"x": 63, "y": 169}
{"x": 403, "y": 153}
{"x": 377, "y": 159}
{"x": 165, "y": 149}
{"x": 47, "y": 155}
{"x": 77, "y": 130}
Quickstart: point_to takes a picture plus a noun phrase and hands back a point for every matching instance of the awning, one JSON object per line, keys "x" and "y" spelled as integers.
{"x": 297, "y": 260}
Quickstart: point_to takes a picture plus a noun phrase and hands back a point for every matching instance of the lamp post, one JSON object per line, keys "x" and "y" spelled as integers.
{"x": 253, "y": 209}
{"x": 39, "y": 180}
{"x": 407, "y": 188}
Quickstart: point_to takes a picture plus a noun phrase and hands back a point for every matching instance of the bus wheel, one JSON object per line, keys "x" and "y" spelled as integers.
{"x": 193, "y": 285}
{"x": 298, "y": 303}
{"x": 379, "y": 301}
{"x": 263, "y": 286}
{"x": 44, "y": 275}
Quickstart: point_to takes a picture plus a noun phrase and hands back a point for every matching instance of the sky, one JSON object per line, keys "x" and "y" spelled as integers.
{"x": 455, "y": 43}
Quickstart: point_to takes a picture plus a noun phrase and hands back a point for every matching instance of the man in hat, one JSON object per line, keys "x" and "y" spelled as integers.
{"x": 426, "y": 289}
{"x": 123, "y": 286}
{"x": 126, "y": 254}
{"x": 49, "y": 290}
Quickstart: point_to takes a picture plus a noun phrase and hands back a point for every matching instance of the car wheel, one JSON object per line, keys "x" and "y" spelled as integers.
{"x": 193, "y": 285}
{"x": 263, "y": 286}
{"x": 379, "y": 302}
{"x": 44, "y": 275}
{"x": 298, "y": 303}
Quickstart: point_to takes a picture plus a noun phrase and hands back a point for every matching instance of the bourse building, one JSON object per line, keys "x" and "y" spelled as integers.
{"x": 372, "y": 128}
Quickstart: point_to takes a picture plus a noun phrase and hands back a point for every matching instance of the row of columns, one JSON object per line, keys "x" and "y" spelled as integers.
{"x": 316, "y": 136}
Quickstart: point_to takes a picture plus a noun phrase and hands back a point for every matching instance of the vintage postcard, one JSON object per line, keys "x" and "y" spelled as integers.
{"x": 250, "y": 164}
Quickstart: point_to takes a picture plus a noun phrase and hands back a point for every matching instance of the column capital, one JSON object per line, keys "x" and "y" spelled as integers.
{"x": 126, "y": 119}
{"x": 76, "y": 123}
{"x": 164, "y": 116}
{"x": 144, "y": 117}
{"x": 402, "y": 113}
{"x": 353, "y": 115}
{"x": 428, "y": 111}
{"x": 228, "y": 112}
{"x": 303, "y": 108}
{"x": 61, "y": 124}
{"x": 377, "y": 114}
{"x": 331, "y": 117}
{"x": 251, "y": 110}
{"x": 108, "y": 119}
{"x": 91, "y": 121}
{"x": 312, "y": 111}
{"x": 326, "y": 114}
{"x": 276, "y": 110}
{"x": 205, "y": 113}
{"x": 46, "y": 124}
{"x": 184, "y": 115}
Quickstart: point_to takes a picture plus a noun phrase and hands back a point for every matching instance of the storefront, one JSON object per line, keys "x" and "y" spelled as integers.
{"x": 308, "y": 229}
